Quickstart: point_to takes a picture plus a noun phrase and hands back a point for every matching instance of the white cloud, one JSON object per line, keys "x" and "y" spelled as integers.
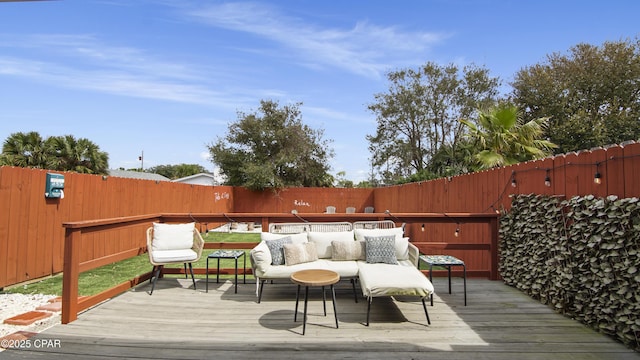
{"x": 365, "y": 49}
{"x": 82, "y": 62}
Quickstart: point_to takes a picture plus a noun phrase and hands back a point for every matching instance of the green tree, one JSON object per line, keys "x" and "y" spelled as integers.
{"x": 591, "y": 94}
{"x": 61, "y": 153}
{"x": 419, "y": 115}
{"x": 177, "y": 171}
{"x": 342, "y": 181}
{"x": 78, "y": 155}
{"x": 272, "y": 148}
{"x": 502, "y": 138}
{"x": 25, "y": 150}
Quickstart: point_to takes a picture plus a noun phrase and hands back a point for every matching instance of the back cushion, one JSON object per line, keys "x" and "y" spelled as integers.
{"x": 295, "y": 238}
{"x": 401, "y": 242}
{"x": 323, "y": 241}
{"x": 172, "y": 236}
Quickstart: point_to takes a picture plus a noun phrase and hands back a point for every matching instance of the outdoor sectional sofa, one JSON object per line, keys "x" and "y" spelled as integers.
{"x": 382, "y": 260}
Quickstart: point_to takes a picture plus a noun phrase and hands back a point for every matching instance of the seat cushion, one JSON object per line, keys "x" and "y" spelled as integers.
{"x": 346, "y": 269}
{"x": 388, "y": 280}
{"x": 183, "y": 255}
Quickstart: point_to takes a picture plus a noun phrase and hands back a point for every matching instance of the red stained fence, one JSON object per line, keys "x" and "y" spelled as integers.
{"x": 32, "y": 235}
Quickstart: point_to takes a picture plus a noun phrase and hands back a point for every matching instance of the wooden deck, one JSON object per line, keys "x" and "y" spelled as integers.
{"x": 179, "y": 323}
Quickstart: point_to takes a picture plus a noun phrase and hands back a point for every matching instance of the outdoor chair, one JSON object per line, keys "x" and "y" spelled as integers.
{"x": 368, "y": 209}
{"x": 331, "y": 209}
{"x": 350, "y": 210}
{"x": 173, "y": 244}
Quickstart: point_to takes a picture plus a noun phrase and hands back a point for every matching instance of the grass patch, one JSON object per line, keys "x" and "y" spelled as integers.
{"x": 105, "y": 277}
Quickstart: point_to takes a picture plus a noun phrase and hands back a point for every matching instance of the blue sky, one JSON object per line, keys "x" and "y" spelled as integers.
{"x": 166, "y": 77}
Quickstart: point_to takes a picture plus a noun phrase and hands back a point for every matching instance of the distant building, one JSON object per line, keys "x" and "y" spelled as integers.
{"x": 137, "y": 175}
{"x": 199, "y": 179}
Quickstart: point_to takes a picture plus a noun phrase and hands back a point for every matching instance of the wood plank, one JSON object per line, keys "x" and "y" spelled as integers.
{"x": 177, "y": 322}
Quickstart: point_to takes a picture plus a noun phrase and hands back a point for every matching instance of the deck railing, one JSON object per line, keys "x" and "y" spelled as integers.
{"x": 75, "y": 236}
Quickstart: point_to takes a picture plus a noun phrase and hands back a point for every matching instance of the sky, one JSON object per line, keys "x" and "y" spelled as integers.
{"x": 164, "y": 78}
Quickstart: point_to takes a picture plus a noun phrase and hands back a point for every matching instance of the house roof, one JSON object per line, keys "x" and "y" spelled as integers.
{"x": 137, "y": 175}
{"x": 198, "y": 179}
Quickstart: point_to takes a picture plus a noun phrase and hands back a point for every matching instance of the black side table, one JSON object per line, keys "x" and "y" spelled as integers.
{"x": 228, "y": 254}
{"x": 447, "y": 261}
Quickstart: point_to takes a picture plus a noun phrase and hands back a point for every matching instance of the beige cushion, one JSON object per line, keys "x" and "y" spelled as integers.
{"x": 172, "y": 236}
{"x": 347, "y": 250}
{"x": 401, "y": 243}
{"x": 323, "y": 240}
{"x": 299, "y": 253}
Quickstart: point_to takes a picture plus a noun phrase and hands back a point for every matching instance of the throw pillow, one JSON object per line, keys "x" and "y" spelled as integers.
{"x": 276, "y": 248}
{"x": 299, "y": 253}
{"x": 323, "y": 241}
{"x": 347, "y": 250}
{"x": 402, "y": 243}
{"x": 381, "y": 249}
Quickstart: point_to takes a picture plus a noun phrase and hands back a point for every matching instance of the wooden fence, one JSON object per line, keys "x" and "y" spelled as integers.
{"x": 32, "y": 235}
{"x": 31, "y": 232}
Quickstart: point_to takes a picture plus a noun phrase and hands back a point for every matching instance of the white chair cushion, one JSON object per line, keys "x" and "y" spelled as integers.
{"x": 183, "y": 255}
{"x": 172, "y": 236}
{"x": 401, "y": 245}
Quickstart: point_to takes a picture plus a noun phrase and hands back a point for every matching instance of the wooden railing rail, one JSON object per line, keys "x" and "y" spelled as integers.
{"x": 74, "y": 231}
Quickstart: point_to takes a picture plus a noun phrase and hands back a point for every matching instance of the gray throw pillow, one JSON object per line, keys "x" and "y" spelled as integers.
{"x": 380, "y": 249}
{"x": 276, "y": 248}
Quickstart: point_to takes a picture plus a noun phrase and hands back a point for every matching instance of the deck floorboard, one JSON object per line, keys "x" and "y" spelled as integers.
{"x": 177, "y": 322}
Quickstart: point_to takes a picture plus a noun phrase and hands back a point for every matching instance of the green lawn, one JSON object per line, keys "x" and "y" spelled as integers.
{"x": 94, "y": 281}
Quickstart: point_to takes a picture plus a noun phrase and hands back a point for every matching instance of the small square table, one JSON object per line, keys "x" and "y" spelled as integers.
{"x": 228, "y": 254}
{"x": 447, "y": 261}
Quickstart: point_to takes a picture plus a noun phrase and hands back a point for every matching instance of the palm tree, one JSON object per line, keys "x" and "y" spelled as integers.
{"x": 25, "y": 150}
{"x": 504, "y": 139}
{"x": 79, "y": 155}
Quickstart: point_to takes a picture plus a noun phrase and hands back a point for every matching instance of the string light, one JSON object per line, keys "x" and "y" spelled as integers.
{"x": 597, "y": 178}
{"x": 547, "y": 179}
{"x": 457, "y": 233}
{"x": 422, "y": 229}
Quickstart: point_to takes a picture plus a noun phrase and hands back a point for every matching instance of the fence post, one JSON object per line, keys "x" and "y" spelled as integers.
{"x": 71, "y": 273}
{"x": 494, "y": 235}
